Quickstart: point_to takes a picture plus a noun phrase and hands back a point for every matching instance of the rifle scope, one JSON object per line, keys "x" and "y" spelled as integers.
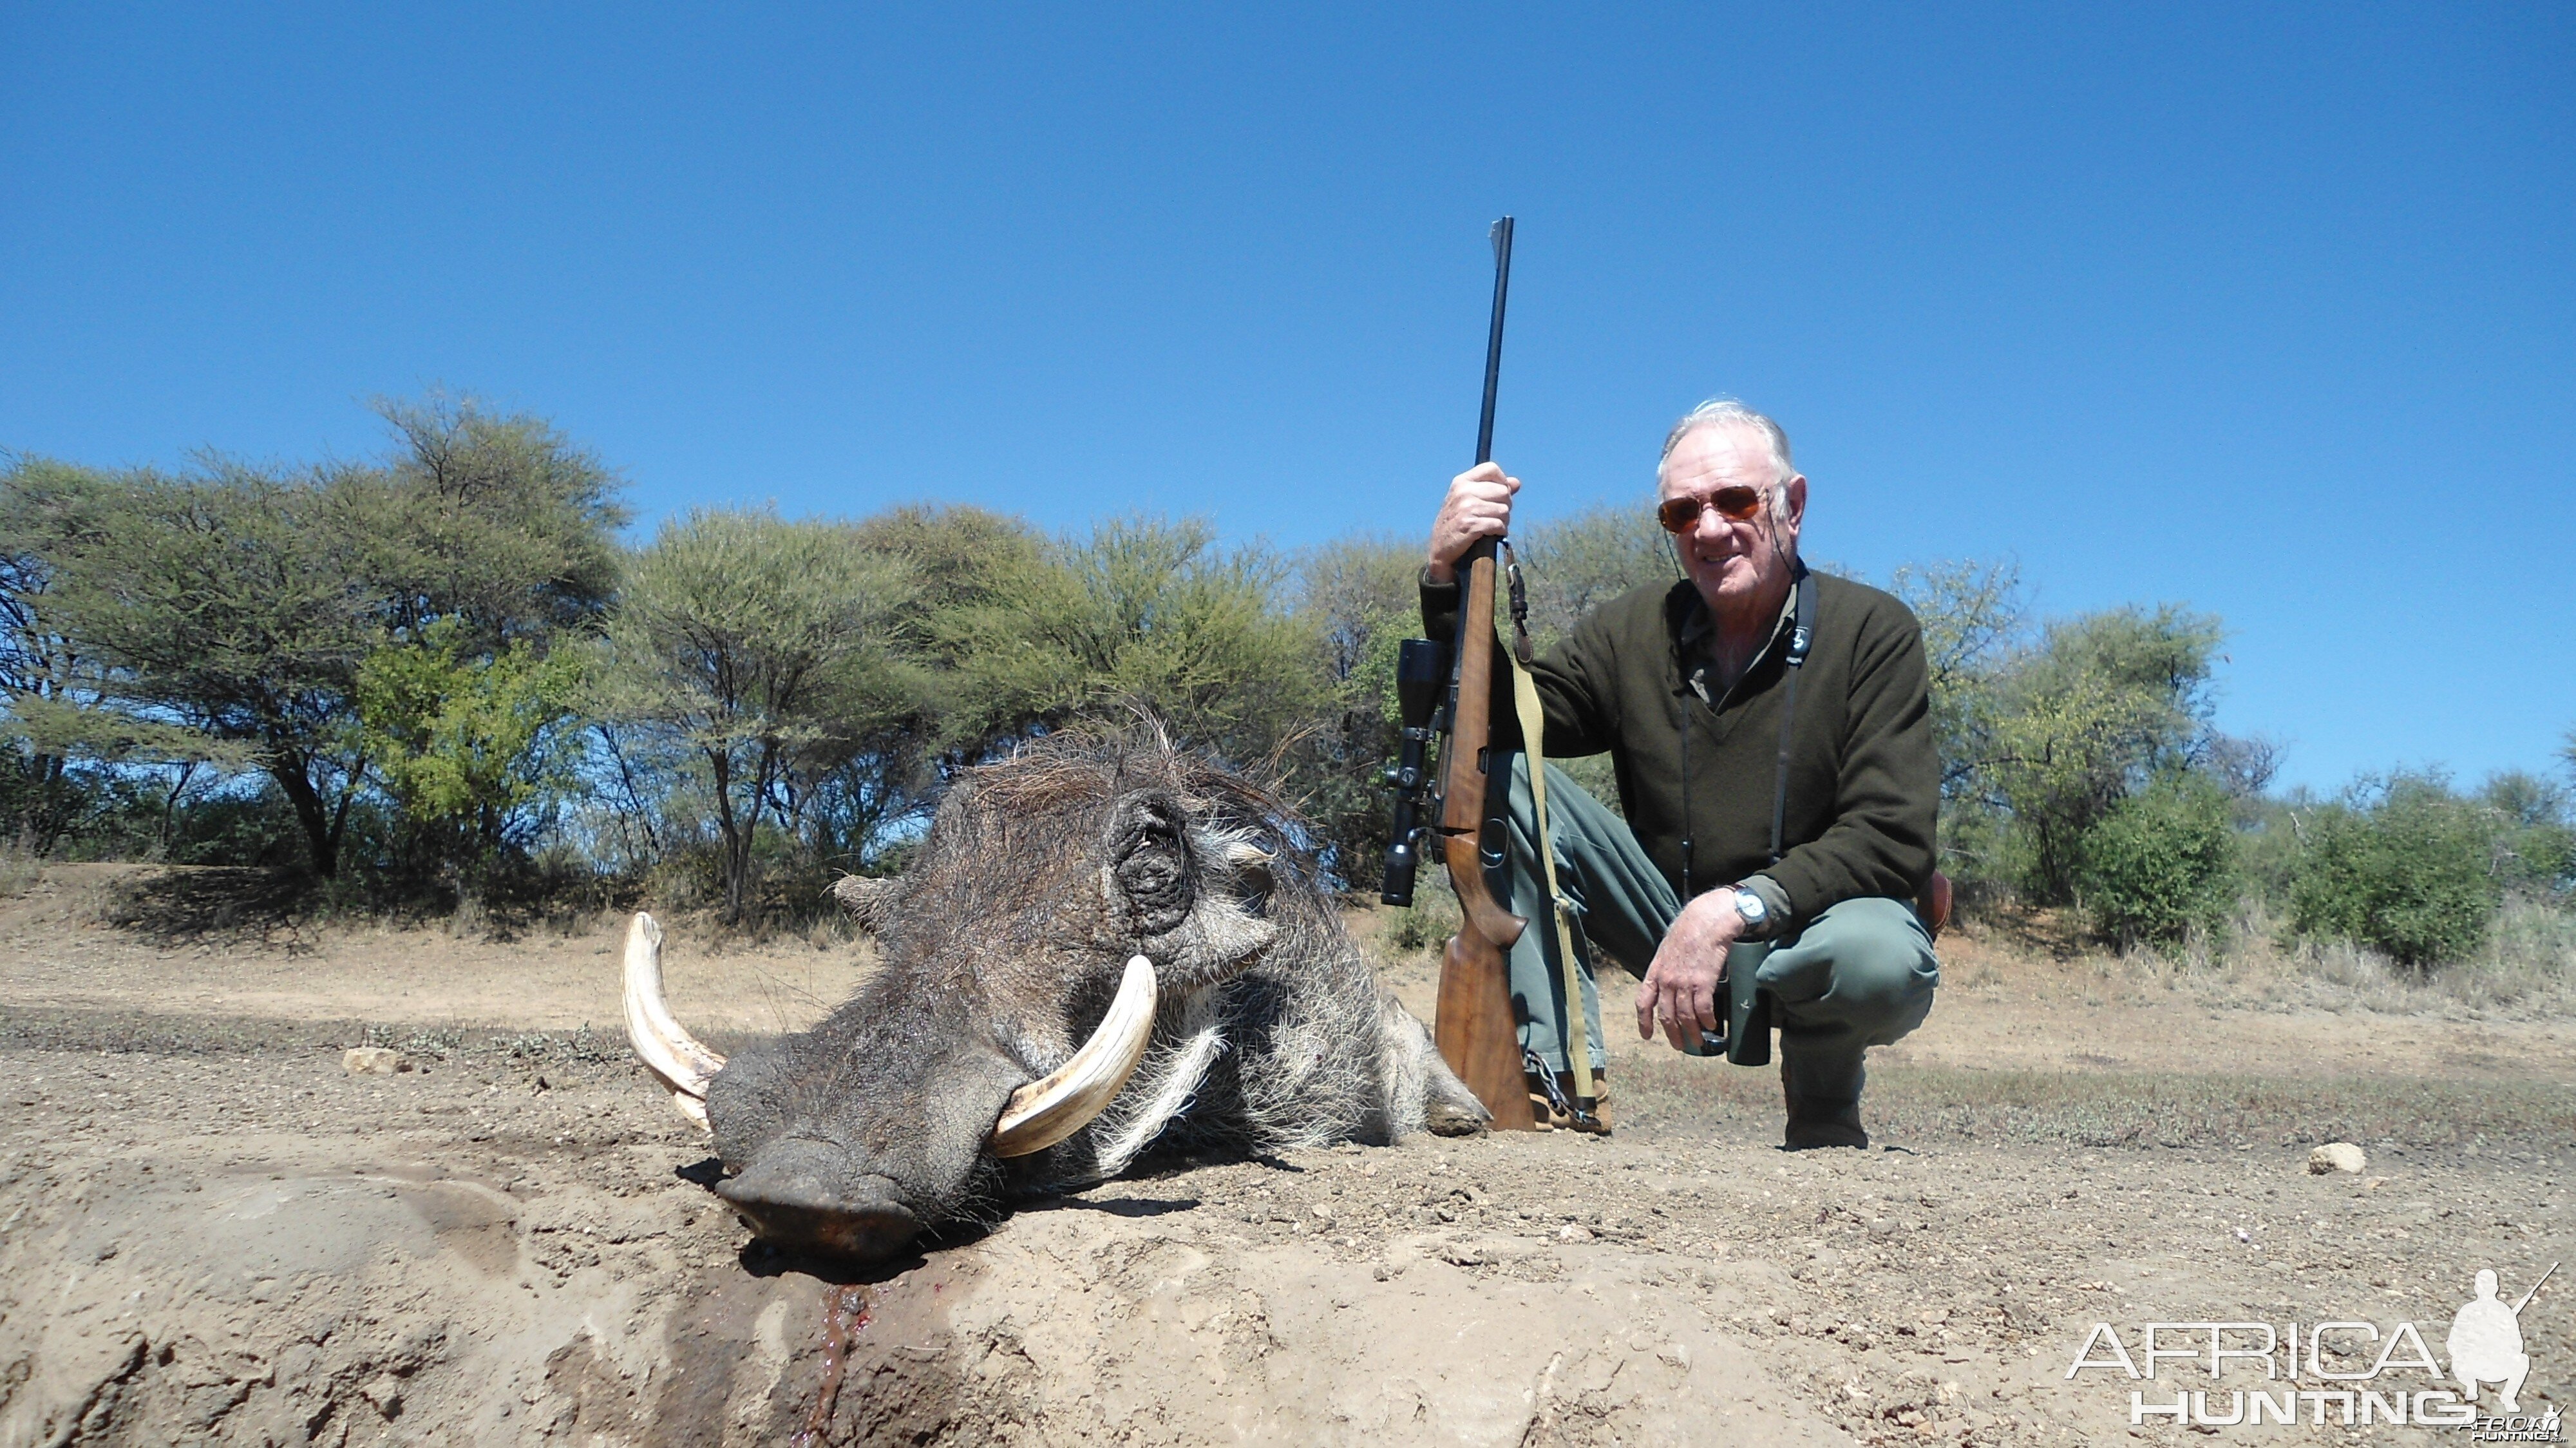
{"x": 1421, "y": 677}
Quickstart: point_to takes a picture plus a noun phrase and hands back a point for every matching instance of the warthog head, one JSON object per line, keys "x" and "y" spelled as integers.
{"x": 1058, "y": 901}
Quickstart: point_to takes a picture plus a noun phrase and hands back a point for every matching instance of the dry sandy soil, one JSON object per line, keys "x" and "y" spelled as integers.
{"x": 209, "y": 1232}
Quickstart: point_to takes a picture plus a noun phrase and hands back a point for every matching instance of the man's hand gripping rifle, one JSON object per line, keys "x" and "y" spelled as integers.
{"x": 1449, "y": 692}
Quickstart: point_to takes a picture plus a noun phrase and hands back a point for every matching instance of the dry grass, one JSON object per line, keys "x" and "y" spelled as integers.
{"x": 2526, "y": 971}
{"x": 19, "y": 871}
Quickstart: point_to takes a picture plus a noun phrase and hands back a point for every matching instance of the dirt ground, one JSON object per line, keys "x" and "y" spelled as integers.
{"x": 210, "y": 1233}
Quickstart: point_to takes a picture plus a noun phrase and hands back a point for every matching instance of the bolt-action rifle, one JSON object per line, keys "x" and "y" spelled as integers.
{"x": 1449, "y": 692}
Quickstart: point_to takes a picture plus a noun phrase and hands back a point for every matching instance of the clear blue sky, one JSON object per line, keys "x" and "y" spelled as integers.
{"x": 2267, "y": 310}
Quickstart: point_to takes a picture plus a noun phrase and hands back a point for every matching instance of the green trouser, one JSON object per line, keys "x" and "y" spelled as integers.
{"x": 1861, "y": 974}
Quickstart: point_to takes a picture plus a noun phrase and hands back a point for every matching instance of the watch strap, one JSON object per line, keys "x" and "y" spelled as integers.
{"x": 1775, "y": 905}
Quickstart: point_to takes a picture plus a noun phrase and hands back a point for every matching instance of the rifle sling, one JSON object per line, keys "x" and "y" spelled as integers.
{"x": 1802, "y": 636}
{"x": 1572, "y": 1029}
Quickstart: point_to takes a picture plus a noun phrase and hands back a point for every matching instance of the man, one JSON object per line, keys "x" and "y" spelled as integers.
{"x": 2486, "y": 1344}
{"x": 1686, "y": 686}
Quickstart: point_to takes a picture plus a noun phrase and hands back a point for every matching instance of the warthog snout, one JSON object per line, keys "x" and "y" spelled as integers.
{"x": 803, "y": 1196}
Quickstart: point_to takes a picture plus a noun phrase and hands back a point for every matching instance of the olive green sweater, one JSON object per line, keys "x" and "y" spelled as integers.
{"x": 1864, "y": 779}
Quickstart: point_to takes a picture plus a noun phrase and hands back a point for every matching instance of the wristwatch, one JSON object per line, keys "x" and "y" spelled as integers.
{"x": 1755, "y": 914}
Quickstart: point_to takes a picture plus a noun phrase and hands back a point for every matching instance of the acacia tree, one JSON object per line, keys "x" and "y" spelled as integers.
{"x": 1153, "y": 613}
{"x": 228, "y": 604}
{"x": 1357, "y": 602}
{"x": 964, "y": 568}
{"x": 41, "y": 790}
{"x": 760, "y": 650}
{"x": 234, "y": 605}
{"x": 487, "y": 539}
{"x": 1577, "y": 563}
{"x": 495, "y": 521}
{"x": 1971, "y": 613}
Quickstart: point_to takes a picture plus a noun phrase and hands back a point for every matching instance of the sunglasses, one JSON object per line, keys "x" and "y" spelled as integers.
{"x": 1679, "y": 515}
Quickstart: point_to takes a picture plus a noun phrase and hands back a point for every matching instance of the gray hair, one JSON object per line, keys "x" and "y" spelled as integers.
{"x": 1727, "y": 412}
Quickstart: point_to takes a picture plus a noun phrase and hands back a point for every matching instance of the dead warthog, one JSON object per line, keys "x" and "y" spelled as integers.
{"x": 1103, "y": 944}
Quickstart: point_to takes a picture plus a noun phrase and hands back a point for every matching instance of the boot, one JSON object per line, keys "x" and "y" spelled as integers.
{"x": 1599, "y": 1125}
{"x": 1550, "y": 1118}
{"x": 1818, "y": 1121}
{"x": 1543, "y": 1112}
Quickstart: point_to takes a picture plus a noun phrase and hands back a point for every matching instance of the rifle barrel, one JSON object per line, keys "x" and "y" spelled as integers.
{"x": 2535, "y": 1290}
{"x": 1502, "y": 238}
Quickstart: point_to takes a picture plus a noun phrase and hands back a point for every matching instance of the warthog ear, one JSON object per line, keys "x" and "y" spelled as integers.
{"x": 861, "y": 897}
{"x": 1224, "y": 929}
{"x": 1150, "y": 878}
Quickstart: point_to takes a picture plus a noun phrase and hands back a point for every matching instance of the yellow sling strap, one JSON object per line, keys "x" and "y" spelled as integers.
{"x": 1574, "y": 1029}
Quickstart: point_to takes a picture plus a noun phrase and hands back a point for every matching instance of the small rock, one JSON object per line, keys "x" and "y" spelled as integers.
{"x": 1574, "y": 1232}
{"x": 372, "y": 1061}
{"x": 2337, "y": 1156}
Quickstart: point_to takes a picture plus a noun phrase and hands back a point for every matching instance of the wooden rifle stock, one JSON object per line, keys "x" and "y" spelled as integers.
{"x": 1474, "y": 1026}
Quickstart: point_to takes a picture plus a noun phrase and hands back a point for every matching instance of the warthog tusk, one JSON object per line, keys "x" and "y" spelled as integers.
{"x": 692, "y": 1108}
{"x": 672, "y": 1053}
{"x": 1047, "y": 1111}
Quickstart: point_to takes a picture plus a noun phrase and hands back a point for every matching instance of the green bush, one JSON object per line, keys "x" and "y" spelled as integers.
{"x": 2160, "y": 862}
{"x": 2536, "y": 833}
{"x": 2267, "y": 848}
{"x": 2406, "y": 868}
{"x": 1434, "y": 915}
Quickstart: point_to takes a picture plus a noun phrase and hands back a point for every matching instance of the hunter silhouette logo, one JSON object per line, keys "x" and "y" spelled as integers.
{"x": 2345, "y": 1370}
{"x": 2486, "y": 1341}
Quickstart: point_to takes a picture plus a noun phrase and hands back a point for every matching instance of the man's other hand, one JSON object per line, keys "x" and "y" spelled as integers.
{"x": 1479, "y": 506}
{"x": 1680, "y": 988}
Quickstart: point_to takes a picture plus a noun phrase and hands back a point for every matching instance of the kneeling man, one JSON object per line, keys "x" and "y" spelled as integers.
{"x": 1777, "y": 773}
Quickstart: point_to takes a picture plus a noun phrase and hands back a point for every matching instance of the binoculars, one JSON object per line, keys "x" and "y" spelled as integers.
{"x": 1743, "y": 1033}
